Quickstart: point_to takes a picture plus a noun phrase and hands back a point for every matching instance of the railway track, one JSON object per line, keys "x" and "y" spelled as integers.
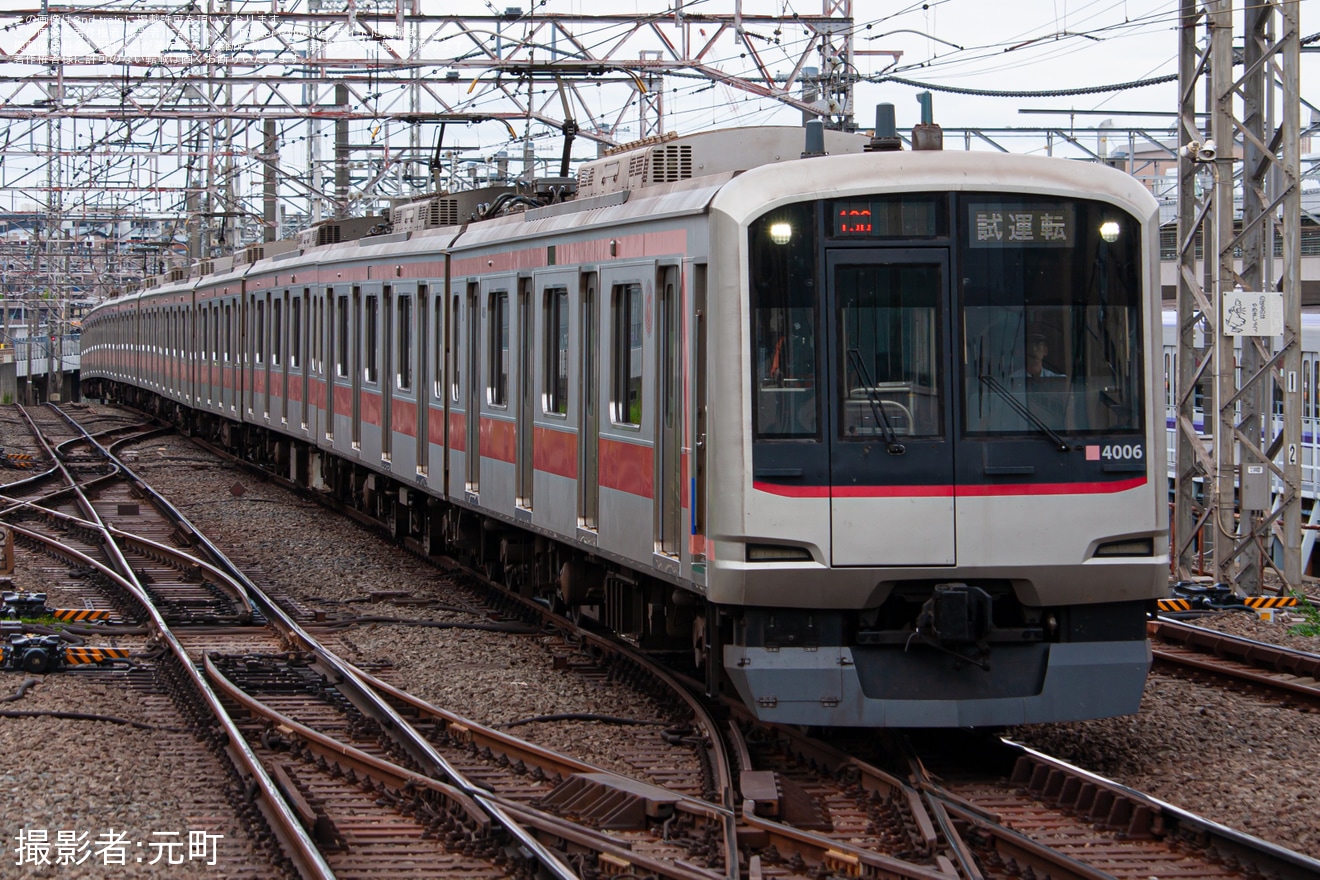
{"x": 787, "y": 806}
{"x": 1290, "y": 676}
{"x": 1019, "y": 812}
{"x": 352, "y": 788}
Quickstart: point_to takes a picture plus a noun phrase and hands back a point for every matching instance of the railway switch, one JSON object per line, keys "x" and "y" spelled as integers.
{"x": 1191, "y": 599}
{"x": 18, "y": 606}
{"x": 42, "y": 654}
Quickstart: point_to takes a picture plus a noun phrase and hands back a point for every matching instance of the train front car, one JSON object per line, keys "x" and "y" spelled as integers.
{"x": 938, "y": 475}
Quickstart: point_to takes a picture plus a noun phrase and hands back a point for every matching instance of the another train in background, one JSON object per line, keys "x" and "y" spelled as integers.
{"x": 873, "y": 434}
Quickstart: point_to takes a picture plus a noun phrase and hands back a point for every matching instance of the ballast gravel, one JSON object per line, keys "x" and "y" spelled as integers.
{"x": 1230, "y": 757}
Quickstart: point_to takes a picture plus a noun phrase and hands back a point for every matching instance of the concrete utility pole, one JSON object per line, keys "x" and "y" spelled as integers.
{"x": 1238, "y": 474}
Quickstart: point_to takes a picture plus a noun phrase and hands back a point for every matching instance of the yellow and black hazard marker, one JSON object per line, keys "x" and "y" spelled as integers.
{"x": 79, "y": 615}
{"x": 42, "y": 654}
{"x": 25, "y": 606}
{"x": 84, "y": 655}
{"x": 21, "y": 460}
{"x": 1270, "y": 601}
{"x": 1175, "y": 605}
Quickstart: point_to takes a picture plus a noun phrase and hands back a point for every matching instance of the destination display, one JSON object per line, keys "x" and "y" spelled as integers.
{"x": 998, "y": 226}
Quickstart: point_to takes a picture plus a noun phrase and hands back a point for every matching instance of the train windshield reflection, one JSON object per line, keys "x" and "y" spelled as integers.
{"x": 1051, "y": 328}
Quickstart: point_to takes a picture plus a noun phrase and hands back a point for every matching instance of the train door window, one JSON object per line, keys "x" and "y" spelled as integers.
{"x": 626, "y": 360}
{"x": 888, "y": 350}
{"x": 455, "y": 366}
{"x": 439, "y": 347}
{"x": 295, "y": 331}
{"x": 497, "y": 388}
{"x": 341, "y": 334}
{"x": 229, "y": 333}
{"x": 259, "y": 333}
{"x": 314, "y": 332}
{"x": 555, "y": 391}
{"x": 276, "y": 331}
{"x": 372, "y": 316}
{"x": 205, "y": 321}
{"x": 403, "y": 374}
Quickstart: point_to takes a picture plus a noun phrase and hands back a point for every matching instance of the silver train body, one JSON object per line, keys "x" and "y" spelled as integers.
{"x": 873, "y": 436}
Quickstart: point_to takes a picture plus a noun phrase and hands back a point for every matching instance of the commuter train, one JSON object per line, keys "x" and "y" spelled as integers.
{"x": 872, "y": 434}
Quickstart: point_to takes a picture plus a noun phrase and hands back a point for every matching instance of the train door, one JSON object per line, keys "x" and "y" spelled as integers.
{"x": 353, "y": 357}
{"x": 698, "y": 386}
{"x": 472, "y": 389}
{"x": 336, "y": 354}
{"x": 279, "y": 364}
{"x": 227, "y": 378}
{"x": 589, "y": 481}
{"x": 669, "y": 402}
{"x": 299, "y": 319}
{"x": 887, "y": 411}
{"x": 526, "y": 395}
{"x": 423, "y": 383}
{"x": 386, "y": 377}
{"x": 260, "y": 355}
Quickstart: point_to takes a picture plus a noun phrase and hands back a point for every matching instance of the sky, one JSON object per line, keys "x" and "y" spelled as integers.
{"x": 1042, "y": 47}
{"x": 1019, "y": 45}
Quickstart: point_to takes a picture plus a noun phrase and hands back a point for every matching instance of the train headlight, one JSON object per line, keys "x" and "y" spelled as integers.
{"x": 1109, "y": 231}
{"x": 781, "y": 233}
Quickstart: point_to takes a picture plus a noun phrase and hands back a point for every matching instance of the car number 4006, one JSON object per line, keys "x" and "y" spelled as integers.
{"x": 1121, "y": 452}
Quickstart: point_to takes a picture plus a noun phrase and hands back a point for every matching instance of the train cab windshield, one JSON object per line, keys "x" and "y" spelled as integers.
{"x": 1051, "y": 318}
{"x": 1000, "y": 315}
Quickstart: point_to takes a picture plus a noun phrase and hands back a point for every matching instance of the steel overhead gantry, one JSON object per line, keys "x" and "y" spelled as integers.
{"x": 169, "y": 109}
{"x": 1238, "y": 473}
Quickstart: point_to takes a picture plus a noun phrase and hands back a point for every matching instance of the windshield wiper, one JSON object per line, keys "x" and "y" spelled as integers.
{"x": 1023, "y": 411}
{"x": 877, "y": 405}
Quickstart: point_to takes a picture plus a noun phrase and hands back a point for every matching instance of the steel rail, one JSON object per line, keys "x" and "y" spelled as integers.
{"x": 351, "y": 685}
{"x": 283, "y": 822}
{"x": 713, "y": 742}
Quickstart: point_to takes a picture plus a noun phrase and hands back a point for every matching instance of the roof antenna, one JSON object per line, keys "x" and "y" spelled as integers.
{"x": 885, "y": 139}
{"x": 815, "y": 139}
{"x": 927, "y": 135}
